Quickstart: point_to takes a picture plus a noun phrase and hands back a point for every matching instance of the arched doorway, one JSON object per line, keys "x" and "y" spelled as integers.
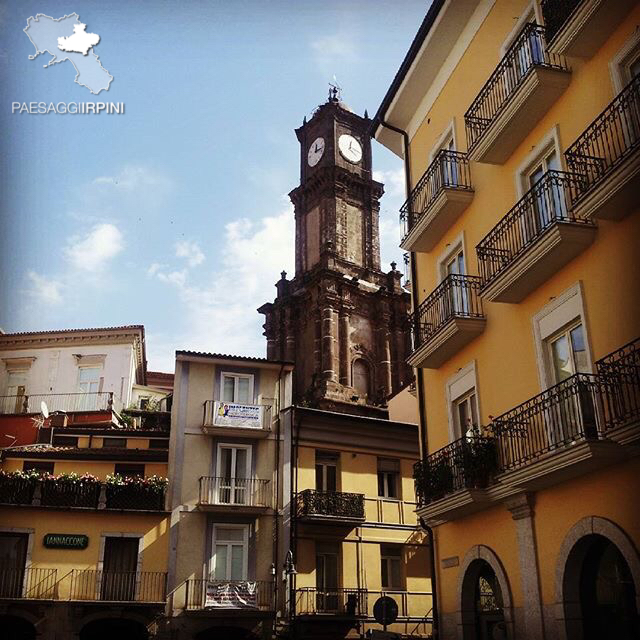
{"x": 110, "y": 628}
{"x": 482, "y": 598}
{"x": 485, "y": 597}
{"x": 15, "y": 628}
{"x": 598, "y": 574}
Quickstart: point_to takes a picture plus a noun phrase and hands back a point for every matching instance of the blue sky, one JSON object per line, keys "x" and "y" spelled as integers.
{"x": 175, "y": 215}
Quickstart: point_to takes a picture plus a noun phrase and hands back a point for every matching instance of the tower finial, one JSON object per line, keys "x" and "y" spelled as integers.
{"x": 335, "y": 92}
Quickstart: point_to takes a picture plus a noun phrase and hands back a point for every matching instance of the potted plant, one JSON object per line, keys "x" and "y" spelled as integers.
{"x": 71, "y": 490}
{"x": 17, "y": 487}
{"x": 135, "y": 492}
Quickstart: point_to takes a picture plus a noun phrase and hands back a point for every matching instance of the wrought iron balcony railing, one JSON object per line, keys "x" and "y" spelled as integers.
{"x": 67, "y": 402}
{"x": 229, "y": 594}
{"x": 620, "y": 371}
{"x": 119, "y": 586}
{"x": 608, "y": 141}
{"x": 466, "y": 463}
{"x": 52, "y": 492}
{"x": 455, "y": 297}
{"x": 547, "y": 203}
{"x": 527, "y": 52}
{"x": 556, "y": 13}
{"x": 28, "y": 583}
{"x": 576, "y": 409}
{"x": 136, "y": 497}
{"x": 335, "y": 505}
{"x": 235, "y": 492}
{"x": 339, "y": 602}
{"x": 449, "y": 170}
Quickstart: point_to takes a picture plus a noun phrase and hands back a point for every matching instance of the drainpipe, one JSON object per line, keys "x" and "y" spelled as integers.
{"x": 276, "y": 511}
{"x": 424, "y": 449}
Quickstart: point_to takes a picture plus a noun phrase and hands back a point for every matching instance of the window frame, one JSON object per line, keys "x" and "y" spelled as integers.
{"x": 32, "y": 465}
{"x": 622, "y": 60}
{"x": 215, "y": 540}
{"x": 234, "y": 446}
{"x": 471, "y": 399}
{"x": 564, "y": 332}
{"x": 386, "y": 475}
{"x": 462, "y": 383}
{"x": 118, "y": 469}
{"x": 236, "y": 377}
{"x": 388, "y": 558}
{"x": 327, "y": 459}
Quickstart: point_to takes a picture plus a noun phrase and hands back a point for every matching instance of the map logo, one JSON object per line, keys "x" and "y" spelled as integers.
{"x": 66, "y": 39}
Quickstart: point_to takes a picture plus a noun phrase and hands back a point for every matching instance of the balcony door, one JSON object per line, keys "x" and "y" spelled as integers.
{"x": 237, "y": 388}
{"x": 326, "y": 471}
{"x": 234, "y": 472}
{"x": 457, "y": 294}
{"x": 16, "y": 391}
{"x": 574, "y": 414}
{"x": 327, "y": 576}
{"x": 230, "y": 553}
{"x": 13, "y": 559}
{"x": 90, "y": 383}
{"x": 119, "y": 568}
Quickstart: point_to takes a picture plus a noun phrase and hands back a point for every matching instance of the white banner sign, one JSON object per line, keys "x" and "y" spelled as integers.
{"x": 232, "y": 595}
{"x": 230, "y": 414}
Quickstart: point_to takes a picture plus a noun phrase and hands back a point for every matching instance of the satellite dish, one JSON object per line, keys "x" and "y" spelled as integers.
{"x": 44, "y": 410}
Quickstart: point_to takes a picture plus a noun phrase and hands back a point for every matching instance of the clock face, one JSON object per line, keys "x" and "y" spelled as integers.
{"x": 315, "y": 152}
{"x": 350, "y": 148}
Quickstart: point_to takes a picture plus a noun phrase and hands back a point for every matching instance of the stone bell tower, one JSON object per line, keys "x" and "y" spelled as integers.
{"x": 340, "y": 319}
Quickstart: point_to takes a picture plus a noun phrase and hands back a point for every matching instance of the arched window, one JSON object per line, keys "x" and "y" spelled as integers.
{"x": 361, "y": 377}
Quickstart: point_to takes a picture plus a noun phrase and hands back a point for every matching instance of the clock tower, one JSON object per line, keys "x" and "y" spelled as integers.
{"x": 340, "y": 319}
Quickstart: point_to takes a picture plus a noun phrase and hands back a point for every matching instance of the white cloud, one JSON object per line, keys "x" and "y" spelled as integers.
{"x": 392, "y": 200}
{"x": 221, "y": 314}
{"x": 154, "y": 267}
{"x": 45, "y": 290}
{"x": 132, "y": 177}
{"x": 334, "y": 52}
{"x": 191, "y": 252}
{"x": 92, "y": 251}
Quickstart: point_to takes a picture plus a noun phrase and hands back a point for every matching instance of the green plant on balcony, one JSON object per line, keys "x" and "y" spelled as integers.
{"x": 439, "y": 477}
{"x": 478, "y": 459}
{"x": 70, "y": 490}
{"x": 17, "y": 487}
{"x": 135, "y": 492}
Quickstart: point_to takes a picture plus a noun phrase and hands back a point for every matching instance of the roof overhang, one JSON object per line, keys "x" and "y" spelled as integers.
{"x": 436, "y": 38}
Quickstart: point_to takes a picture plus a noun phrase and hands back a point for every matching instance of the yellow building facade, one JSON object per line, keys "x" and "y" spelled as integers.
{"x": 83, "y": 529}
{"x": 518, "y": 123}
{"x": 351, "y": 535}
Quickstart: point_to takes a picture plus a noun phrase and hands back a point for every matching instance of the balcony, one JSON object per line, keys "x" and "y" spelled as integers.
{"x": 462, "y": 468}
{"x": 446, "y": 321}
{"x": 236, "y": 420}
{"x": 606, "y": 156}
{"x": 536, "y": 238}
{"x": 621, "y": 372}
{"x": 244, "y": 495}
{"x": 578, "y": 28}
{"x": 526, "y": 82}
{"x": 436, "y": 202}
{"x": 148, "y": 587}
{"x": 331, "y": 507}
{"x": 30, "y": 489}
{"x": 351, "y": 603}
{"x": 222, "y": 595}
{"x": 66, "y": 402}
{"x": 576, "y": 426}
{"x": 28, "y": 583}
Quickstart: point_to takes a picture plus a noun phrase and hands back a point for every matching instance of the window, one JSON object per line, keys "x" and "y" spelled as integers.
{"x": 625, "y": 65}
{"x": 114, "y": 443}
{"x": 361, "y": 377}
{"x": 327, "y": 575}
{"x": 130, "y": 470}
{"x": 16, "y": 391}
{"x": 237, "y": 387}
{"x": 391, "y": 566}
{"x": 568, "y": 353}
{"x": 89, "y": 379}
{"x": 326, "y": 471}
{"x": 230, "y": 545}
{"x": 388, "y": 478}
{"x": 454, "y": 265}
{"x": 144, "y": 402}
{"x": 234, "y": 472}
{"x": 158, "y": 443}
{"x": 466, "y": 413}
{"x": 37, "y": 465}
{"x": 65, "y": 441}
